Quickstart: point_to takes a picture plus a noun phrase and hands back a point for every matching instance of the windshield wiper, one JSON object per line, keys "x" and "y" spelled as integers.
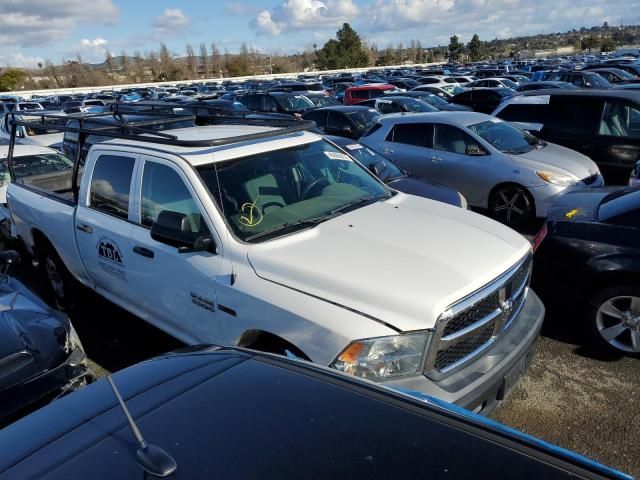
{"x": 360, "y": 201}
{"x": 295, "y": 224}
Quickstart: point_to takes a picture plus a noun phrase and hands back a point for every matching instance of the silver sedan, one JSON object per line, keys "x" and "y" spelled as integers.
{"x": 494, "y": 164}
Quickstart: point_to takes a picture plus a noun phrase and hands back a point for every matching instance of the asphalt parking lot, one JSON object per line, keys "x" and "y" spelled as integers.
{"x": 575, "y": 397}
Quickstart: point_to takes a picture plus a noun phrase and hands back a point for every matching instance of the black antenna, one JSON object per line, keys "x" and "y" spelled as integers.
{"x": 152, "y": 459}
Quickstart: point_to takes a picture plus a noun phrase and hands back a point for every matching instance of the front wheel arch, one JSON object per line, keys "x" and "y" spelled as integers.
{"x": 268, "y": 342}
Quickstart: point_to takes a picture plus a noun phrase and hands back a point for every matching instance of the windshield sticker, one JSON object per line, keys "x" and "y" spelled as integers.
{"x": 252, "y": 214}
{"x": 337, "y": 156}
{"x": 110, "y": 258}
{"x": 354, "y": 146}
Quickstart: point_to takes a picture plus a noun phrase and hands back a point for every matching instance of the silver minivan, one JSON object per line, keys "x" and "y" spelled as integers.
{"x": 494, "y": 164}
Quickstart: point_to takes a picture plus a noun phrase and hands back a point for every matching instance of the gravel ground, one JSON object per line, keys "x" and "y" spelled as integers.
{"x": 587, "y": 405}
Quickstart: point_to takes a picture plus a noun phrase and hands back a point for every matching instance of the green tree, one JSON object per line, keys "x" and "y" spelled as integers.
{"x": 10, "y": 79}
{"x": 590, "y": 42}
{"x": 346, "y": 51}
{"x": 455, "y": 49}
{"x": 475, "y": 48}
{"x": 607, "y": 45}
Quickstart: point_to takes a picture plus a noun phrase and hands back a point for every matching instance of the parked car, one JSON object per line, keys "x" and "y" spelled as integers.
{"x": 615, "y": 75}
{"x": 6, "y": 107}
{"x": 431, "y": 99}
{"x": 271, "y": 218}
{"x": 396, "y": 178}
{"x": 321, "y": 99}
{"x": 404, "y": 83}
{"x": 35, "y": 134}
{"x": 41, "y": 356}
{"x": 483, "y": 100}
{"x": 399, "y": 104}
{"x": 634, "y": 178}
{"x": 545, "y": 85}
{"x": 581, "y": 79}
{"x": 602, "y": 124}
{"x": 630, "y": 67}
{"x": 445, "y": 91}
{"x": 592, "y": 252}
{"x": 495, "y": 165}
{"x": 493, "y": 83}
{"x": 277, "y": 102}
{"x": 247, "y": 415}
{"x": 354, "y": 95}
{"x": 349, "y": 121}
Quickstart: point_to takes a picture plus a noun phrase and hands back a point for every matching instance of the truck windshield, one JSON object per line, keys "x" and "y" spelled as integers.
{"x": 271, "y": 194}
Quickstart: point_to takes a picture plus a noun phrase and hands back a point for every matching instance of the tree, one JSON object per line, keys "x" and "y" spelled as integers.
{"x": 192, "y": 61}
{"x": 125, "y": 68}
{"x": 108, "y": 61}
{"x": 474, "y": 48}
{"x": 204, "y": 59}
{"x": 590, "y": 42}
{"x": 607, "y": 45}
{"x": 455, "y": 49}
{"x": 346, "y": 51}
{"x": 10, "y": 79}
{"x": 216, "y": 65}
{"x": 138, "y": 66}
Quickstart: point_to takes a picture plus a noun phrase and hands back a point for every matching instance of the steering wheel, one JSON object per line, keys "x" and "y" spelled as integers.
{"x": 316, "y": 184}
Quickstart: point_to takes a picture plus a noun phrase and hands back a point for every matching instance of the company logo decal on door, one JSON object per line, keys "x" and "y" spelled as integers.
{"x": 110, "y": 258}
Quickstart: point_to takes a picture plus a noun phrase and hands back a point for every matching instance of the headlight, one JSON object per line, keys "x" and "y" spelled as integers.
{"x": 556, "y": 178}
{"x": 383, "y": 357}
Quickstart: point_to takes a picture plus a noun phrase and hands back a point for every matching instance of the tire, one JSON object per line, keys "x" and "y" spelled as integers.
{"x": 512, "y": 205}
{"x": 613, "y": 315}
{"x": 60, "y": 283}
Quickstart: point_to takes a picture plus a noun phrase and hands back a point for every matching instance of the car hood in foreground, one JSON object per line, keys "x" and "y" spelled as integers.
{"x": 402, "y": 261}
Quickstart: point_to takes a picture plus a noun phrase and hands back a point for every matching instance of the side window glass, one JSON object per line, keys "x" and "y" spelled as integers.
{"x": 386, "y": 107}
{"x": 417, "y": 134}
{"x": 163, "y": 189}
{"x": 319, "y": 117}
{"x": 110, "y": 185}
{"x": 337, "y": 120}
{"x": 451, "y": 139}
{"x": 270, "y": 104}
{"x": 620, "y": 120}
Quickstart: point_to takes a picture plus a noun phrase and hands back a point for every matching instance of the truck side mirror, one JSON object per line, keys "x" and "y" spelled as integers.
{"x": 174, "y": 229}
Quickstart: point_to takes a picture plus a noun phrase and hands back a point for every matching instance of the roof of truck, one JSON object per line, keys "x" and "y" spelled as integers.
{"x": 200, "y": 155}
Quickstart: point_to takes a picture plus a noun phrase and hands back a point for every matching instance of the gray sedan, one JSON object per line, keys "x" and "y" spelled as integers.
{"x": 494, "y": 164}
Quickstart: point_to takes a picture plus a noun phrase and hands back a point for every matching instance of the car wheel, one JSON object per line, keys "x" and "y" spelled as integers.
{"x": 614, "y": 317}
{"x": 57, "y": 276}
{"x": 511, "y": 205}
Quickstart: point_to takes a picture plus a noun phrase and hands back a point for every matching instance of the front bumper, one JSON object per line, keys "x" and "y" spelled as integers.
{"x": 483, "y": 384}
{"x": 545, "y": 195}
{"x": 46, "y": 386}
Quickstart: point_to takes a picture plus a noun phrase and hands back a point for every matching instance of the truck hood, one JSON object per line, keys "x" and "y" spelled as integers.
{"x": 559, "y": 159}
{"x": 402, "y": 261}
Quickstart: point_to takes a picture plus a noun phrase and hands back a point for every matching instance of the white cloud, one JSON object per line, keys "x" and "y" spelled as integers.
{"x": 171, "y": 22}
{"x": 31, "y": 23}
{"x": 237, "y": 8}
{"x": 92, "y": 50}
{"x": 303, "y": 14}
{"x": 20, "y": 60}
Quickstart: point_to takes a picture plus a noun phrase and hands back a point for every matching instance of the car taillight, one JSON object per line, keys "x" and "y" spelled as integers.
{"x": 540, "y": 236}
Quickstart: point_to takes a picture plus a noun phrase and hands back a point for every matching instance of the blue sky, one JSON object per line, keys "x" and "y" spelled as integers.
{"x": 34, "y": 30}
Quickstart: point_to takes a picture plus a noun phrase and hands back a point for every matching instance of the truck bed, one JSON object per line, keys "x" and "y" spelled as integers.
{"x": 54, "y": 184}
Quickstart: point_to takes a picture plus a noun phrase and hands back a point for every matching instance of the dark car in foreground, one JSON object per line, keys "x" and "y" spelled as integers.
{"x": 591, "y": 258}
{"x": 230, "y": 413}
{"x": 483, "y": 100}
{"x": 41, "y": 356}
{"x": 431, "y": 99}
{"x": 344, "y": 120}
{"x": 396, "y": 178}
{"x": 546, "y": 84}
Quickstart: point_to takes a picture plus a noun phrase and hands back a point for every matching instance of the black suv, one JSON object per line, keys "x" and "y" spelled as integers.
{"x": 602, "y": 124}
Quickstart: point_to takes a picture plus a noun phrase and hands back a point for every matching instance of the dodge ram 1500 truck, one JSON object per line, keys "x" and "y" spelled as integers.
{"x": 271, "y": 238}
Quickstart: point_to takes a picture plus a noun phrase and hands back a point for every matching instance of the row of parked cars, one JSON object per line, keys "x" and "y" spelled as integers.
{"x": 271, "y": 229}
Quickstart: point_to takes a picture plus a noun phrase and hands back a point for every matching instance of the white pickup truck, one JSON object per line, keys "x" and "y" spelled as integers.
{"x": 275, "y": 239}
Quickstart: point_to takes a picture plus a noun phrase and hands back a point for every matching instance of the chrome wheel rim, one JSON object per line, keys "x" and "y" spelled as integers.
{"x": 55, "y": 279}
{"x": 618, "y": 322}
{"x": 512, "y": 205}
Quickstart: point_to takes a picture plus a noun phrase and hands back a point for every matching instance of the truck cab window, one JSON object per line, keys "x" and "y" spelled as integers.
{"x": 110, "y": 185}
{"x": 163, "y": 189}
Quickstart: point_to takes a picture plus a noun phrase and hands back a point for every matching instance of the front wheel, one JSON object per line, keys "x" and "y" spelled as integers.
{"x": 614, "y": 318}
{"x": 511, "y": 205}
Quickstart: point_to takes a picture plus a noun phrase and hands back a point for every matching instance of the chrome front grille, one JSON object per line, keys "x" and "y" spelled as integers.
{"x": 473, "y": 324}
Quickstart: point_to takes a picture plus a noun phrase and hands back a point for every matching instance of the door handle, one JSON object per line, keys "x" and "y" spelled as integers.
{"x": 84, "y": 228}
{"x": 145, "y": 252}
{"x": 436, "y": 159}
